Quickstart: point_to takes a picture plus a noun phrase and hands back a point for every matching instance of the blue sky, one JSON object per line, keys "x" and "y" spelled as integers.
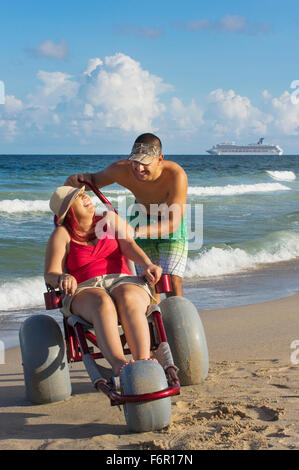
{"x": 89, "y": 76}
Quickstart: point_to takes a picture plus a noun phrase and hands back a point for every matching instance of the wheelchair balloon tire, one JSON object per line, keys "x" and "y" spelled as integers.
{"x": 46, "y": 371}
{"x": 186, "y": 338}
{"x": 141, "y": 377}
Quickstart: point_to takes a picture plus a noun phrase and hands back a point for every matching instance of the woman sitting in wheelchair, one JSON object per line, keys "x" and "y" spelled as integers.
{"x": 98, "y": 285}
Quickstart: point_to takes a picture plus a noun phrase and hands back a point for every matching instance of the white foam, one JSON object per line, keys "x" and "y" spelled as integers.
{"x": 12, "y": 206}
{"x": 282, "y": 175}
{"x": 231, "y": 190}
{"x": 282, "y": 246}
{"x": 22, "y": 293}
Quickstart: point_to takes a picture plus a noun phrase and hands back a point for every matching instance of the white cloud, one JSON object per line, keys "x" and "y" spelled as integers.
{"x": 285, "y": 113}
{"x": 233, "y": 114}
{"x": 117, "y": 97}
{"x": 116, "y": 93}
{"x": 92, "y": 65}
{"x": 228, "y": 23}
{"x": 198, "y": 25}
{"x": 55, "y": 87}
{"x": 8, "y": 129}
{"x": 10, "y": 114}
{"x": 50, "y": 50}
{"x": 126, "y": 95}
{"x": 12, "y": 106}
{"x": 187, "y": 118}
{"x": 232, "y": 23}
{"x": 135, "y": 30}
{"x": 88, "y": 110}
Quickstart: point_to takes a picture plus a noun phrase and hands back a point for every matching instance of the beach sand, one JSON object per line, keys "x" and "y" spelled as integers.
{"x": 250, "y": 399}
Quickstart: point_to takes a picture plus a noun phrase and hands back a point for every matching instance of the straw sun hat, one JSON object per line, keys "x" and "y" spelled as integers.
{"x": 62, "y": 199}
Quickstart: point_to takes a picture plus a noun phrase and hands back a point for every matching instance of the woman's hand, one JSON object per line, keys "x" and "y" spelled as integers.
{"x": 152, "y": 273}
{"x": 67, "y": 284}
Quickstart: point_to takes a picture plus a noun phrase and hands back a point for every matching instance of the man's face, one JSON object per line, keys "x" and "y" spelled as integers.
{"x": 146, "y": 172}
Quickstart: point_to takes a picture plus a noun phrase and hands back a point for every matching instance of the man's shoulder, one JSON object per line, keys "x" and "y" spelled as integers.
{"x": 119, "y": 166}
{"x": 174, "y": 169}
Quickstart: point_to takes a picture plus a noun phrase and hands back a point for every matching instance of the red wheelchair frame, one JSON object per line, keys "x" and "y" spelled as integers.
{"x": 76, "y": 338}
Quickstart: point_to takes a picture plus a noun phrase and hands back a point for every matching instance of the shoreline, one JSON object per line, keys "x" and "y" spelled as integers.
{"x": 270, "y": 283}
{"x": 249, "y": 400}
{"x": 266, "y": 283}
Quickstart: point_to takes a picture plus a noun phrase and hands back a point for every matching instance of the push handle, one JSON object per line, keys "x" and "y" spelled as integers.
{"x": 164, "y": 284}
{"x": 52, "y": 299}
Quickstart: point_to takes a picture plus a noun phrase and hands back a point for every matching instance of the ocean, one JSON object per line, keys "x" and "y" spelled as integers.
{"x": 249, "y": 221}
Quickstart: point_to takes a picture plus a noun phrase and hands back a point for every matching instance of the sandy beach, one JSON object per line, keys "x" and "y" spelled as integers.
{"x": 250, "y": 399}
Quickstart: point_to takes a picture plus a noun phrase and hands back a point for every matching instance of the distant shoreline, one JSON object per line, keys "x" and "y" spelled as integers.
{"x": 125, "y": 156}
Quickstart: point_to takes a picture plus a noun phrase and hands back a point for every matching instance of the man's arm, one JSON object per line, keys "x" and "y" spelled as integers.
{"x": 100, "y": 179}
{"x": 172, "y": 211}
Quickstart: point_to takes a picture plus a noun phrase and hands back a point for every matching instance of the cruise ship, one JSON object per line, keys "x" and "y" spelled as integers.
{"x": 231, "y": 148}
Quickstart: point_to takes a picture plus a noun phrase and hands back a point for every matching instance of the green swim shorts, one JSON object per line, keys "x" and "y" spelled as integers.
{"x": 171, "y": 253}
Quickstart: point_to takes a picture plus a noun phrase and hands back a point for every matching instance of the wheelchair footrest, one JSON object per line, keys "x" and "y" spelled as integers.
{"x": 76, "y": 319}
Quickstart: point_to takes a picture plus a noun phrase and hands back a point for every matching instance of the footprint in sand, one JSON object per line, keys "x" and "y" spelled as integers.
{"x": 264, "y": 413}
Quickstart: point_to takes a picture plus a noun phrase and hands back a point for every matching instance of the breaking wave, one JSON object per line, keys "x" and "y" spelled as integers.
{"x": 273, "y": 248}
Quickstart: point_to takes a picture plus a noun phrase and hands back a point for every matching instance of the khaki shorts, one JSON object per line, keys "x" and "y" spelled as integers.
{"x": 108, "y": 282}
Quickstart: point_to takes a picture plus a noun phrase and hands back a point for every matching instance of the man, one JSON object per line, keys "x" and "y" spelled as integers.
{"x": 160, "y": 185}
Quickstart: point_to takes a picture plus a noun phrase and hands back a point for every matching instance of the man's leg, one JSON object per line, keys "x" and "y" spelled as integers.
{"x": 173, "y": 259}
{"x": 150, "y": 247}
{"x": 177, "y": 286}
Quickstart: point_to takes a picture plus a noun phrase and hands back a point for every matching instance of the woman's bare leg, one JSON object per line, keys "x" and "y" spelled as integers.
{"x": 131, "y": 303}
{"x": 97, "y": 307}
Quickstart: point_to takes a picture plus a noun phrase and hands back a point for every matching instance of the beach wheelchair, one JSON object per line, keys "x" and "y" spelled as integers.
{"x": 177, "y": 341}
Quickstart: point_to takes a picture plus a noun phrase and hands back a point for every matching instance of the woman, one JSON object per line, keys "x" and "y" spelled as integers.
{"x": 98, "y": 285}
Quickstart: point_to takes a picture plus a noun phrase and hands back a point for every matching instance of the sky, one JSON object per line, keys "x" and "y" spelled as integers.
{"x": 88, "y": 77}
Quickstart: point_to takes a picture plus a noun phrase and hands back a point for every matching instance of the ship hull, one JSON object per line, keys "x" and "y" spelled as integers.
{"x": 213, "y": 152}
{"x": 251, "y": 149}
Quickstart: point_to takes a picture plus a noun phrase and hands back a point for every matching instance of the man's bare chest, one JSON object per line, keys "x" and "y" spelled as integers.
{"x": 147, "y": 193}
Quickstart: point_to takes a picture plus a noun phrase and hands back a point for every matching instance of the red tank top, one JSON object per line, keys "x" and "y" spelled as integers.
{"x": 87, "y": 261}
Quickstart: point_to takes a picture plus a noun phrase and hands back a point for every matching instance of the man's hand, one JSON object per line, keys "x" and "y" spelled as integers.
{"x": 73, "y": 180}
{"x": 152, "y": 274}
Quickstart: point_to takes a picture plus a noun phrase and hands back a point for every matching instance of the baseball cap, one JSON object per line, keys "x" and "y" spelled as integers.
{"x": 144, "y": 153}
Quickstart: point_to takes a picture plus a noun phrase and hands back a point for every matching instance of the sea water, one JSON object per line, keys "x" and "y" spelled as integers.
{"x": 249, "y": 221}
